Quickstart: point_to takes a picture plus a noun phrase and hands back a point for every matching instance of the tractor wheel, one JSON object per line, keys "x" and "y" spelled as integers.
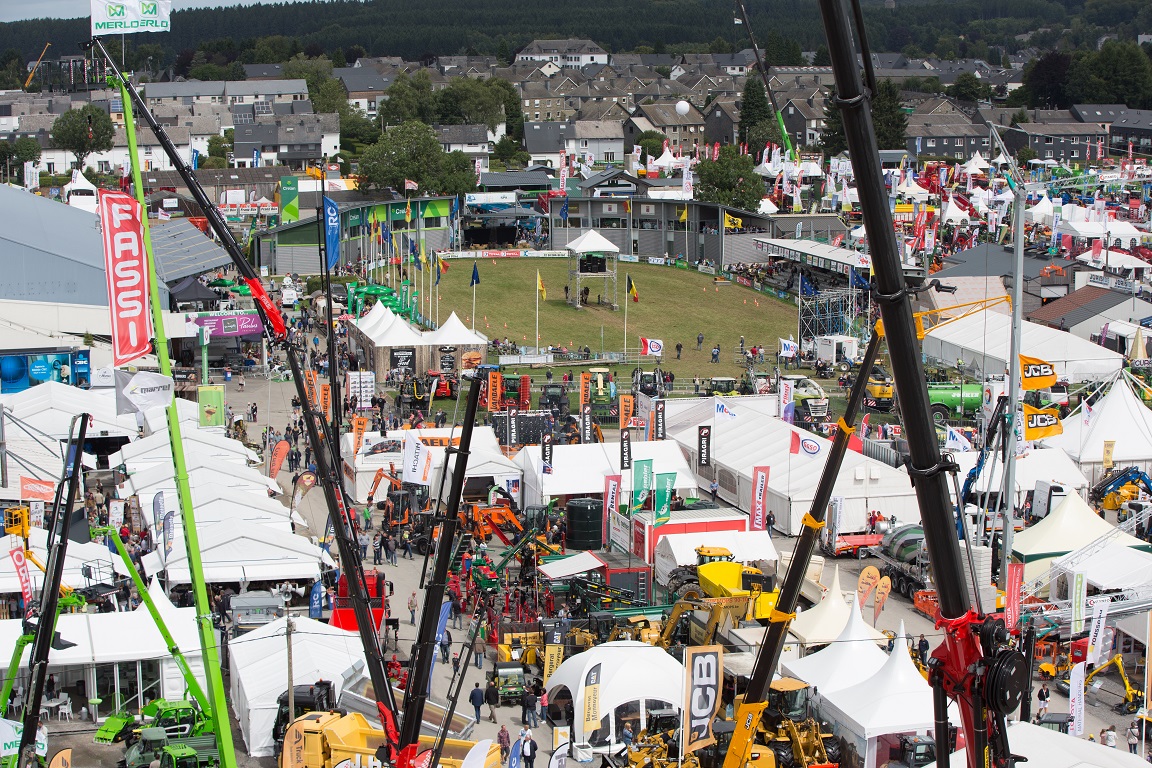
{"x": 689, "y": 590}
{"x": 843, "y": 367}
{"x": 422, "y": 545}
{"x": 832, "y": 748}
{"x": 782, "y": 750}
{"x": 940, "y": 413}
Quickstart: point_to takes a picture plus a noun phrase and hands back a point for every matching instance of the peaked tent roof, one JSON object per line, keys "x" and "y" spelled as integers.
{"x": 592, "y": 242}
{"x": 374, "y": 315}
{"x": 1118, "y": 416}
{"x": 1115, "y": 566}
{"x": 190, "y": 289}
{"x": 823, "y": 622}
{"x": 454, "y": 333}
{"x": 852, "y": 658}
{"x": 1071, "y": 525}
{"x": 397, "y": 333}
{"x": 954, "y": 214}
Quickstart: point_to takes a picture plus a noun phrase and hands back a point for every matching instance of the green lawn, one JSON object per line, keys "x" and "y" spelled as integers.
{"x": 675, "y": 305}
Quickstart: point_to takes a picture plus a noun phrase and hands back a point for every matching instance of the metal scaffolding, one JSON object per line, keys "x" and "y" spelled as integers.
{"x": 579, "y": 277}
{"x": 830, "y": 312}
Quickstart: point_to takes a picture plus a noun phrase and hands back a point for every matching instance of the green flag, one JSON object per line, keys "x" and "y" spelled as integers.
{"x": 641, "y": 482}
{"x": 665, "y": 485}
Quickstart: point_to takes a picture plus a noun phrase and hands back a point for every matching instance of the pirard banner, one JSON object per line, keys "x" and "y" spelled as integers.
{"x": 279, "y": 454}
{"x": 359, "y": 427}
{"x": 326, "y": 400}
{"x": 703, "y": 674}
{"x": 665, "y": 487}
{"x": 869, "y": 578}
{"x": 704, "y": 445}
{"x": 759, "y": 518}
{"x": 1036, "y": 373}
{"x": 126, "y": 265}
{"x": 211, "y": 401}
{"x": 627, "y": 411}
{"x": 293, "y": 754}
{"x": 1041, "y": 422}
{"x": 585, "y": 387}
{"x": 1012, "y": 598}
{"x": 883, "y": 589}
{"x": 546, "y": 452}
{"x": 592, "y": 699}
{"x": 641, "y": 482}
{"x": 553, "y": 655}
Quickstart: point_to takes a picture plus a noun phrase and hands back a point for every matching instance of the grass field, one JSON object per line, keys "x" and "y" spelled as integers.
{"x": 675, "y": 305}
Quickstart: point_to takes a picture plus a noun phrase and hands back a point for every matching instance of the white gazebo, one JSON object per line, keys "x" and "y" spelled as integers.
{"x": 852, "y": 658}
{"x": 592, "y": 257}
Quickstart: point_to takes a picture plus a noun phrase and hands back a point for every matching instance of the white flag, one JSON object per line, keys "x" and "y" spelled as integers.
{"x": 417, "y": 462}
{"x": 1079, "y": 599}
{"x": 1096, "y": 648}
{"x": 956, "y": 441}
{"x": 128, "y": 16}
{"x": 1076, "y": 700}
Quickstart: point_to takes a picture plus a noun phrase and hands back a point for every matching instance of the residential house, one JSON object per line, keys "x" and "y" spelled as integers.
{"x": 263, "y": 71}
{"x": 780, "y": 78}
{"x": 296, "y": 141}
{"x": 804, "y": 120}
{"x": 1133, "y": 127}
{"x": 601, "y": 141}
{"x": 722, "y": 122}
{"x": 1102, "y": 115}
{"x": 572, "y": 52}
{"x": 472, "y": 140}
{"x": 684, "y": 132}
{"x": 366, "y": 87}
{"x": 225, "y": 92}
{"x": 543, "y": 104}
{"x": 958, "y": 140}
{"x": 545, "y": 141}
{"x": 1063, "y": 142}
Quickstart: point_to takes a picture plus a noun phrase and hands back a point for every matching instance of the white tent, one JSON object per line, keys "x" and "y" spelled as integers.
{"x": 629, "y": 672}
{"x": 103, "y": 561}
{"x": 241, "y": 552}
{"x": 852, "y": 658}
{"x": 823, "y": 622}
{"x": 911, "y": 190}
{"x": 156, "y": 449}
{"x": 592, "y": 242}
{"x": 666, "y": 160}
{"x": 579, "y": 470}
{"x": 767, "y": 207}
{"x": 376, "y": 315}
{"x": 1051, "y": 464}
{"x": 897, "y": 699}
{"x": 1001, "y": 159}
{"x": 679, "y": 549}
{"x": 1115, "y": 566}
{"x": 1052, "y": 749}
{"x": 1073, "y": 524}
{"x": 202, "y": 469}
{"x": 954, "y": 214}
{"x": 752, "y": 439}
{"x": 454, "y": 333}
{"x": 397, "y": 333}
{"x": 976, "y": 165}
{"x": 258, "y": 665}
{"x": 1119, "y": 416}
{"x": 983, "y": 340}
{"x": 1041, "y": 213}
{"x": 565, "y": 567}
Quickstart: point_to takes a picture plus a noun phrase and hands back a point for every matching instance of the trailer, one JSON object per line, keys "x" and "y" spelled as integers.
{"x": 907, "y": 578}
{"x": 855, "y": 544}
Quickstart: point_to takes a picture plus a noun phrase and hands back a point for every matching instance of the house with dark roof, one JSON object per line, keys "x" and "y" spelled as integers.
{"x": 601, "y": 141}
{"x": 1085, "y": 311}
{"x": 573, "y": 52}
{"x": 1133, "y": 126}
{"x": 471, "y": 140}
{"x": 544, "y": 141}
{"x": 954, "y": 140}
{"x": 804, "y": 120}
{"x": 513, "y": 181}
{"x": 1062, "y": 142}
{"x": 366, "y": 86}
{"x": 263, "y": 71}
{"x": 722, "y": 122}
{"x": 684, "y": 131}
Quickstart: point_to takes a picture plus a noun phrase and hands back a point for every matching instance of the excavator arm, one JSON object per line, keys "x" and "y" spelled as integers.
{"x": 394, "y": 482}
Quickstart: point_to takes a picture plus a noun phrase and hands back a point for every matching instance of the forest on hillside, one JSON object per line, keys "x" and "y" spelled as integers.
{"x": 414, "y": 30}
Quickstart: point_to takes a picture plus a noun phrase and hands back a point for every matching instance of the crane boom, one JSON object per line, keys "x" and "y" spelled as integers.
{"x": 36, "y": 66}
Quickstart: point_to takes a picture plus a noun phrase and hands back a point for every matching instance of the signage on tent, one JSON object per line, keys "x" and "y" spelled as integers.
{"x": 625, "y": 449}
{"x": 809, "y": 446}
{"x": 704, "y": 446}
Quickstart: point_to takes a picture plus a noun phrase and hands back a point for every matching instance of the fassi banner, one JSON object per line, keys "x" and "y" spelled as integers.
{"x": 759, "y": 493}
{"x": 32, "y": 489}
{"x": 17, "y": 555}
{"x": 126, "y": 265}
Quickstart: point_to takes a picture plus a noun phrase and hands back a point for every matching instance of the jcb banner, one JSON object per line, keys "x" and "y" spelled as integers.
{"x": 625, "y": 449}
{"x": 659, "y": 432}
{"x": 359, "y": 427}
{"x": 1036, "y": 373}
{"x": 703, "y": 667}
{"x": 112, "y": 17}
{"x": 126, "y": 264}
{"x": 627, "y": 411}
{"x": 1041, "y": 422}
{"x": 592, "y": 699}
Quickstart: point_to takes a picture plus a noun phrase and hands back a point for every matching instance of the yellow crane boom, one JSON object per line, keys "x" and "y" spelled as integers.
{"x": 36, "y": 66}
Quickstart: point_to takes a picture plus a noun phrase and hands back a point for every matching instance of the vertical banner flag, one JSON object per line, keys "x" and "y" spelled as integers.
{"x": 883, "y": 589}
{"x": 611, "y": 495}
{"x": 359, "y": 427}
{"x": 1079, "y": 598}
{"x": 787, "y": 407}
{"x": 331, "y": 232}
{"x": 316, "y": 601}
{"x": 1096, "y": 651}
{"x": 21, "y": 564}
{"x": 641, "y": 482}
{"x": 293, "y": 750}
{"x": 759, "y": 519}
{"x": 1036, "y": 373}
{"x": 869, "y": 578}
{"x": 279, "y": 453}
{"x": 1076, "y": 700}
{"x": 704, "y": 446}
{"x": 627, "y": 410}
{"x": 625, "y": 449}
{"x": 585, "y": 387}
{"x": 513, "y": 425}
{"x": 665, "y": 487}
{"x": 417, "y": 462}
{"x": 326, "y": 400}
{"x": 116, "y": 513}
{"x": 564, "y": 185}
{"x": 1015, "y": 585}
{"x": 62, "y": 759}
{"x": 592, "y": 699}
{"x": 36, "y": 514}
{"x": 586, "y": 423}
{"x": 126, "y": 265}
{"x": 546, "y": 441}
{"x": 169, "y": 533}
{"x": 553, "y": 656}
{"x": 158, "y": 514}
{"x": 310, "y": 386}
{"x": 703, "y": 668}
{"x": 112, "y": 17}
{"x": 836, "y": 515}
{"x": 1109, "y": 450}
{"x": 211, "y": 401}
{"x": 658, "y": 427}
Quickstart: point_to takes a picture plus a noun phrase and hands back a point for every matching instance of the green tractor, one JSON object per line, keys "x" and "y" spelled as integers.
{"x": 172, "y": 751}
{"x": 175, "y": 718}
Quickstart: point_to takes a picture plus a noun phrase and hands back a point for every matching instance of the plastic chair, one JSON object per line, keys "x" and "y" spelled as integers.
{"x": 65, "y": 710}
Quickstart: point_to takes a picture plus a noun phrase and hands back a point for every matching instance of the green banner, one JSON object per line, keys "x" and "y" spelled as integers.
{"x": 289, "y": 199}
{"x": 665, "y": 486}
{"x": 211, "y": 405}
{"x": 354, "y": 218}
{"x": 641, "y": 482}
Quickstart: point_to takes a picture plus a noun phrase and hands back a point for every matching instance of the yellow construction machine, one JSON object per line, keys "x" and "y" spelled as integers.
{"x": 785, "y": 726}
{"x": 1133, "y": 697}
{"x": 727, "y": 579}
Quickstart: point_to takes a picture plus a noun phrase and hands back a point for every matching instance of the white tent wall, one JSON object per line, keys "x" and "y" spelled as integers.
{"x": 1119, "y": 416}
{"x": 1051, "y": 464}
{"x": 679, "y": 549}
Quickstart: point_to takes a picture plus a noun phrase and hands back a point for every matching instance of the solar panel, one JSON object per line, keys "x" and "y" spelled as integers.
{"x": 243, "y": 118}
{"x": 263, "y": 107}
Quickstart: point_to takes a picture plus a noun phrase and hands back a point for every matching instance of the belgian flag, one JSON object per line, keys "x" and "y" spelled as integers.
{"x": 632, "y": 290}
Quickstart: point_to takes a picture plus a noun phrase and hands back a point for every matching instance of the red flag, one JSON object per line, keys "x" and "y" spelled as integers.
{"x": 715, "y": 151}
{"x": 127, "y": 270}
{"x": 795, "y": 446}
{"x": 279, "y": 453}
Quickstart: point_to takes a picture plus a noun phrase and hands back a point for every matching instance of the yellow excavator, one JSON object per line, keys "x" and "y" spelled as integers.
{"x": 785, "y": 725}
{"x": 1133, "y": 697}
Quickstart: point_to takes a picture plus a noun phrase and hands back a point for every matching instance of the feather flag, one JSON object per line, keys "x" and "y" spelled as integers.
{"x": 408, "y": 212}
{"x": 635, "y": 294}
{"x": 540, "y": 287}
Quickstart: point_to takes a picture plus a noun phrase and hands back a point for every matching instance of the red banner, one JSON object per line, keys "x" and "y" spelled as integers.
{"x": 126, "y": 264}
{"x": 17, "y": 555}
{"x": 279, "y": 453}
{"x": 359, "y": 427}
{"x": 1012, "y": 595}
{"x": 32, "y": 489}
{"x": 759, "y": 519}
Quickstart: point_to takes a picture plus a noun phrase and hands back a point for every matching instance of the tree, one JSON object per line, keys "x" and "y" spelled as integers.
{"x": 967, "y": 87}
{"x": 27, "y": 150}
{"x": 1119, "y": 73}
{"x": 754, "y": 106}
{"x": 832, "y": 141}
{"x": 220, "y": 146}
{"x": 651, "y": 144}
{"x": 83, "y": 131}
{"x": 761, "y": 135}
{"x": 407, "y": 151}
{"x": 456, "y": 175}
{"x": 888, "y": 116}
{"x": 730, "y": 180}
{"x": 410, "y": 97}
{"x": 510, "y": 99}
{"x": 467, "y": 101}
{"x": 1024, "y": 154}
{"x": 315, "y": 72}
{"x": 509, "y": 152}
{"x": 1046, "y": 81}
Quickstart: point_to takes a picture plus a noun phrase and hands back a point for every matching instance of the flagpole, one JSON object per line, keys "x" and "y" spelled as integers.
{"x": 627, "y": 299}
{"x": 473, "y": 296}
{"x": 536, "y": 345}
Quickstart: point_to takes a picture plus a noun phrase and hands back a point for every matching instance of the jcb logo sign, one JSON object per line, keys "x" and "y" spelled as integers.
{"x": 1042, "y": 420}
{"x": 117, "y": 11}
{"x": 1038, "y": 371}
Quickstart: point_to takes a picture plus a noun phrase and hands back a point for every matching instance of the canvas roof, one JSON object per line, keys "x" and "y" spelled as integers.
{"x": 397, "y": 333}
{"x": 201, "y": 469}
{"x": 155, "y": 449}
{"x": 1073, "y": 524}
{"x": 572, "y": 565}
{"x": 679, "y": 549}
{"x": 1051, "y": 464}
{"x": 371, "y": 321}
{"x": 1115, "y": 566}
{"x": 592, "y": 242}
{"x": 580, "y": 469}
{"x": 1052, "y": 749}
{"x": 1119, "y": 416}
{"x": 453, "y": 332}
{"x": 104, "y": 560}
{"x": 852, "y": 658}
{"x": 983, "y": 338}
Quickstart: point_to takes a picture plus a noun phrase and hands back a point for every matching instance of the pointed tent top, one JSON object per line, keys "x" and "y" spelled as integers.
{"x": 823, "y": 622}
{"x": 835, "y": 589}
{"x": 453, "y": 333}
{"x": 592, "y": 242}
{"x": 857, "y": 629}
{"x": 1001, "y": 159}
{"x": 852, "y": 658}
{"x": 899, "y": 672}
{"x": 1139, "y": 346}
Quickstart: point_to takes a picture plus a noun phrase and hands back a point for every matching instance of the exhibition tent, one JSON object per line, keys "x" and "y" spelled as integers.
{"x": 453, "y": 333}
{"x": 1118, "y": 417}
{"x": 259, "y": 667}
{"x": 679, "y": 549}
{"x": 156, "y": 449}
{"x": 1033, "y": 466}
{"x": 202, "y": 470}
{"x": 628, "y": 672}
{"x": 852, "y": 658}
{"x": 592, "y": 242}
{"x": 572, "y": 565}
{"x": 1052, "y": 749}
{"x": 102, "y": 560}
{"x": 982, "y": 339}
{"x": 579, "y": 470}
{"x": 1041, "y": 213}
{"x": 795, "y": 459}
{"x": 1115, "y": 566}
{"x": 954, "y": 214}
{"x": 397, "y": 333}
{"x": 373, "y": 317}
{"x": 822, "y": 623}
{"x": 49, "y": 408}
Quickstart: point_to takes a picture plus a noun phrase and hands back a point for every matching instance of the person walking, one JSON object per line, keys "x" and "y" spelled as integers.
{"x": 922, "y": 649}
{"x": 479, "y": 648}
{"x": 455, "y": 611}
{"x": 492, "y": 699}
{"x": 390, "y": 542}
{"x": 476, "y": 699}
{"x": 1110, "y": 737}
{"x": 528, "y": 750}
{"x": 456, "y": 664}
{"x": 714, "y": 488}
{"x": 528, "y": 709}
{"x": 377, "y": 548}
{"x": 699, "y": 341}
{"x": 679, "y": 349}
{"x": 503, "y": 738}
{"x": 1042, "y": 697}
{"x": 412, "y": 603}
{"x": 1133, "y": 737}
{"x": 406, "y": 538}
{"x": 445, "y": 646}
{"x": 363, "y": 541}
